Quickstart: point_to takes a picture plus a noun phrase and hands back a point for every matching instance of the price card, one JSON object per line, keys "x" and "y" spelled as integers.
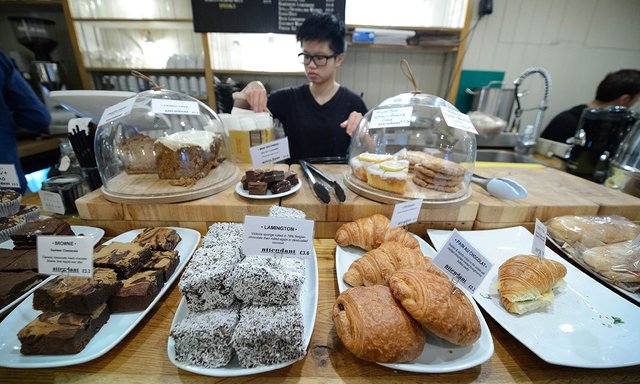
{"x": 278, "y": 236}
{"x": 455, "y": 119}
{"x": 270, "y": 152}
{"x": 65, "y": 255}
{"x": 405, "y": 213}
{"x": 460, "y": 260}
{"x": 391, "y": 117}
{"x": 175, "y": 107}
{"x": 117, "y": 111}
{"x": 52, "y": 202}
{"x": 539, "y": 239}
{"x": 9, "y": 176}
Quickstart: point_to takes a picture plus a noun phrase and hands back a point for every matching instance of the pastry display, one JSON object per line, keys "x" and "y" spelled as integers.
{"x": 158, "y": 238}
{"x": 163, "y": 261}
{"x": 373, "y": 326}
{"x": 360, "y": 163}
{"x": 136, "y": 292}
{"x": 125, "y": 258}
{"x": 137, "y": 154}
{"x": 433, "y": 301}
{"x": 268, "y": 280}
{"x": 526, "y": 282}
{"x": 15, "y": 284}
{"x": 390, "y": 175}
{"x": 259, "y": 181}
{"x": 369, "y": 232}
{"x": 61, "y": 333}
{"x": 25, "y": 237}
{"x": 591, "y": 231}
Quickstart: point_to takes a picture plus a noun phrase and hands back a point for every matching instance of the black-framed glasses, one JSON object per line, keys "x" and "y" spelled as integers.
{"x": 319, "y": 60}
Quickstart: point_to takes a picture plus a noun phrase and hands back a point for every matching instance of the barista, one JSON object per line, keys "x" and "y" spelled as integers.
{"x": 617, "y": 88}
{"x": 320, "y": 117}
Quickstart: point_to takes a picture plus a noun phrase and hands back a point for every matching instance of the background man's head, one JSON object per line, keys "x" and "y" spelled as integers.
{"x": 621, "y": 87}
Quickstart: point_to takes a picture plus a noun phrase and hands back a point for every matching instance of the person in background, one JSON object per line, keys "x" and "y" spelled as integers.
{"x": 617, "y": 88}
{"x": 318, "y": 118}
{"x": 20, "y": 107}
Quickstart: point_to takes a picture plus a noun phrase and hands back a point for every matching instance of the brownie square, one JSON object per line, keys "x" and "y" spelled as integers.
{"x": 15, "y": 284}
{"x": 164, "y": 261}
{"x": 125, "y": 258}
{"x": 18, "y": 260}
{"x": 25, "y": 237}
{"x": 273, "y": 176}
{"x": 280, "y": 187}
{"x": 76, "y": 294}
{"x": 160, "y": 239}
{"x": 137, "y": 292}
{"x": 254, "y": 175}
{"x": 291, "y": 177}
{"x": 61, "y": 333}
{"x": 257, "y": 188}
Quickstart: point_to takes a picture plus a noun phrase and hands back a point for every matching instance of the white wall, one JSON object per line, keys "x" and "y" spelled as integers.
{"x": 577, "y": 41}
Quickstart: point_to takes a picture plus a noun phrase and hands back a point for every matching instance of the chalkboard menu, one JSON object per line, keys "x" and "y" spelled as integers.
{"x": 258, "y": 16}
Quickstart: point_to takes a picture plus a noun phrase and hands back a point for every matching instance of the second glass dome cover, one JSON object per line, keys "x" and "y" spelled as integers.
{"x": 170, "y": 147}
{"x": 404, "y": 149}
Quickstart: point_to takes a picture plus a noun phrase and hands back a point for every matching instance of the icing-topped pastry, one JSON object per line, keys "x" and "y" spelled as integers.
{"x": 175, "y": 141}
{"x": 360, "y": 163}
{"x": 390, "y": 176}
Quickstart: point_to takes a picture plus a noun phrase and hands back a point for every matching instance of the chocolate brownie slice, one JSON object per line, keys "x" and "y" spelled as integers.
{"x": 257, "y": 188}
{"x": 25, "y": 237}
{"x": 15, "y": 284}
{"x": 61, "y": 333}
{"x": 137, "y": 292}
{"x": 292, "y": 177}
{"x": 164, "y": 261}
{"x": 18, "y": 260}
{"x": 273, "y": 176}
{"x": 160, "y": 239}
{"x": 280, "y": 187}
{"x": 125, "y": 258}
{"x": 76, "y": 294}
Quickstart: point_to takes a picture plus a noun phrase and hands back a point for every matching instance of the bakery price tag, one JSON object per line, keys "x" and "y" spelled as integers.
{"x": 462, "y": 262}
{"x": 455, "y": 119}
{"x": 278, "y": 236}
{"x": 175, "y": 107}
{"x": 9, "y": 176}
{"x": 539, "y": 239}
{"x": 51, "y": 202}
{"x": 65, "y": 255}
{"x": 270, "y": 152}
{"x": 117, "y": 111}
{"x": 405, "y": 213}
{"x": 391, "y": 117}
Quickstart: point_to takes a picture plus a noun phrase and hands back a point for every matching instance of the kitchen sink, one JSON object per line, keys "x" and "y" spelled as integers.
{"x": 499, "y": 156}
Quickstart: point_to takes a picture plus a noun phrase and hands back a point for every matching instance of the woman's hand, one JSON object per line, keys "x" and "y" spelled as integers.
{"x": 352, "y": 122}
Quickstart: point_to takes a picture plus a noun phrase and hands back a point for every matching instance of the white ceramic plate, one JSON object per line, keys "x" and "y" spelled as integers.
{"x": 309, "y": 303}
{"x": 438, "y": 356}
{"x": 116, "y": 329}
{"x": 269, "y": 195}
{"x": 588, "y": 326}
{"x": 96, "y": 233}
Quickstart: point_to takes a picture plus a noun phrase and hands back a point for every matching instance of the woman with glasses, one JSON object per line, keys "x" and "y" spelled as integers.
{"x": 319, "y": 117}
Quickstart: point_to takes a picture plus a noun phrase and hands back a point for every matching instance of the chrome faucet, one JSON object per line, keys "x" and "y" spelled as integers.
{"x": 527, "y": 139}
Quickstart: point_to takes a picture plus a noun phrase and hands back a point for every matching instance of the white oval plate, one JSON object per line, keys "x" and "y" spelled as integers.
{"x": 269, "y": 195}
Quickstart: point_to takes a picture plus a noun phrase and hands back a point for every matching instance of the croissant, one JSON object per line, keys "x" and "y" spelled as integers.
{"x": 525, "y": 282}
{"x": 377, "y": 265}
{"x": 431, "y": 300}
{"x": 374, "y": 327}
{"x": 369, "y": 232}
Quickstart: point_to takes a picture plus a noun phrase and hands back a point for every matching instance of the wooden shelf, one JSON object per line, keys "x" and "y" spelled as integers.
{"x": 146, "y": 70}
{"x": 243, "y": 72}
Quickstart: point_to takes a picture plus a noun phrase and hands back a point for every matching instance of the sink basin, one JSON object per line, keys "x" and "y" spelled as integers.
{"x": 498, "y": 156}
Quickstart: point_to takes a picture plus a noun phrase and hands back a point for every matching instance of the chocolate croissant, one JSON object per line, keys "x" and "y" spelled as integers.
{"x": 431, "y": 300}
{"x": 374, "y": 327}
{"x": 369, "y": 232}
{"x": 377, "y": 265}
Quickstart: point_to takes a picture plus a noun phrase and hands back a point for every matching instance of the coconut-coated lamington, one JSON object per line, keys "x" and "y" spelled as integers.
{"x": 223, "y": 234}
{"x": 269, "y": 280}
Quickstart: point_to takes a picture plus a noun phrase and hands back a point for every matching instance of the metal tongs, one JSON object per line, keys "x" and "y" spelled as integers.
{"x": 319, "y": 188}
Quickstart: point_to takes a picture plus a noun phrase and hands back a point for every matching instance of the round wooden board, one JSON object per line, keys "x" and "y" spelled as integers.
{"x": 148, "y": 188}
{"x": 430, "y": 198}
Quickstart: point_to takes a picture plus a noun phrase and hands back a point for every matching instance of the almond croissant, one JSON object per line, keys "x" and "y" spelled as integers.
{"x": 431, "y": 300}
{"x": 369, "y": 232}
{"x": 377, "y": 265}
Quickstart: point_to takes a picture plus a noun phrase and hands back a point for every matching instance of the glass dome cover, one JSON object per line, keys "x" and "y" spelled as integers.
{"x": 404, "y": 149}
{"x": 162, "y": 146}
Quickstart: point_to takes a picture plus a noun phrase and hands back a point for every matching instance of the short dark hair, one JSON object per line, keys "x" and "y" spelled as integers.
{"x": 616, "y": 84}
{"x": 322, "y": 26}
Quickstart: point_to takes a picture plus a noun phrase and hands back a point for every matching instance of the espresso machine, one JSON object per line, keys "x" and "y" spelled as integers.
{"x": 598, "y": 136}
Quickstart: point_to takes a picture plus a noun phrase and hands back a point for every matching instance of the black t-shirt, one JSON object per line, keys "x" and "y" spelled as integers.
{"x": 314, "y": 130}
{"x": 564, "y": 125}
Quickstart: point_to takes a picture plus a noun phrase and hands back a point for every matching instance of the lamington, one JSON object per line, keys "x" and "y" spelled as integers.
{"x": 61, "y": 333}
{"x": 268, "y": 280}
{"x": 76, "y": 294}
{"x": 163, "y": 261}
{"x": 223, "y": 234}
{"x": 26, "y": 236}
{"x": 15, "y": 284}
{"x": 159, "y": 238}
{"x": 203, "y": 339}
{"x": 136, "y": 292}
{"x": 125, "y": 258}
{"x": 187, "y": 154}
{"x": 267, "y": 335}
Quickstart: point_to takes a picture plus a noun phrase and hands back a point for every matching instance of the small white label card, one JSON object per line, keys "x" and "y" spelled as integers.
{"x": 52, "y": 202}
{"x": 175, "y": 107}
{"x": 277, "y": 236}
{"x": 539, "y": 239}
{"x": 117, "y": 111}
{"x": 405, "y": 213}
{"x": 391, "y": 117}
{"x": 460, "y": 260}
{"x": 269, "y": 153}
{"x": 65, "y": 255}
{"x": 9, "y": 176}
{"x": 455, "y": 119}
